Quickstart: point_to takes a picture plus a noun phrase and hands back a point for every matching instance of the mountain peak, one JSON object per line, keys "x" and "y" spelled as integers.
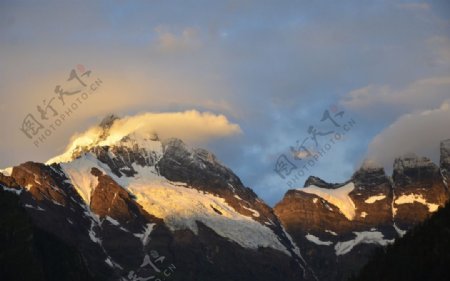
{"x": 410, "y": 168}
{"x": 369, "y": 174}
{"x": 316, "y": 181}
{"x": 111, "y": 131}
{"x": 412, "y": 160}
{"x": 370, "y": 164}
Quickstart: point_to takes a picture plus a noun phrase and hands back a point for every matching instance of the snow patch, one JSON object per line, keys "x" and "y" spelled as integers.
{"x": 112, "y": 264}
{"x": 365, "y": 237}
{"x": 33, "y": 207}
{"x": 93, "y": 235}
{"x": 57, "y": 203}
{"x": 399, "y": 231}
{"x": 112, "y": 221}
{"x": 411, "y": 198}
{"x": 145, "y": 236}
{"x": 363, "y": 215}
{"x": 298, "y": 253}
{"x": 13, "y": 190}
{"x": 444, "y": 177}
{"x": 255, "y": 213}
{"x": 109, "y": 262}
{"x": 79, "y": 173}
{"x": 316, "y": 240}
{"x": 95, "y": 220}
{"x": 116, "y": 223}
{"x": 375, "y": 198}
{"x": 338, "y": 197}
{"x": 331, "y": 232}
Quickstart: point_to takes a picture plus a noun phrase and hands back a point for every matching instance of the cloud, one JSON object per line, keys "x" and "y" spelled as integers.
{"x": 191, "y": 126}
{"x": 419, "y": 133}
{"x": 421, "y": 94}
{"x": 168, "y": 41}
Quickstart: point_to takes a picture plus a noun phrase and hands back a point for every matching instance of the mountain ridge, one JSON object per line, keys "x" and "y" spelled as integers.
{"x": 338, "y": 225}
{"x": 128, "y": 199}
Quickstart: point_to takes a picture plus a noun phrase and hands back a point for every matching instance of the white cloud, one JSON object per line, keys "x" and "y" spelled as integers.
{"x": 191, "y": 126}
{"x": 418, "y": 133}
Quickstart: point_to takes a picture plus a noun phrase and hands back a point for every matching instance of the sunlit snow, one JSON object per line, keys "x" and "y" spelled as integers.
{"x": 411, "y": 198}
{"x": 338, "y": 197}
{"x": 375, "y": 198}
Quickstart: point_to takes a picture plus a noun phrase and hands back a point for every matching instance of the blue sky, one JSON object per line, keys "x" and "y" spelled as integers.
{"x": 270, "y": 67}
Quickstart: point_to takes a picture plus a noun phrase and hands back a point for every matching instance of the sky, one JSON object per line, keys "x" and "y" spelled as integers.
{"x": 248, "y": 80}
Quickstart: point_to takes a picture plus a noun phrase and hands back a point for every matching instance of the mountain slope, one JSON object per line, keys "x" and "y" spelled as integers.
{"x": 138, "y": 207}
{"x": 30, "y": 253}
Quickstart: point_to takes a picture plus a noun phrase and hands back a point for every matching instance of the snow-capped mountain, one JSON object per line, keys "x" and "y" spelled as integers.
{"x": 139, "y": 208}
{"x": 338, "y": 225}
{"x": 122, "y": 204}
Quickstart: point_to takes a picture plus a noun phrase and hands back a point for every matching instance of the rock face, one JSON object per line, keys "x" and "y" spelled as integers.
{"x": 338, "y": 225}
{"x": 330, "y": 223}
{"x": 143, "y": 208}
{"x": 419, "y": 190}
{"x": 445, "y": 161}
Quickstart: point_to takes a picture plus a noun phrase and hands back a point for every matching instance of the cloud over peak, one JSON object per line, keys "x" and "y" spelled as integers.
{"x": 192, "y": 126}
{"x": 419, "y": 133}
